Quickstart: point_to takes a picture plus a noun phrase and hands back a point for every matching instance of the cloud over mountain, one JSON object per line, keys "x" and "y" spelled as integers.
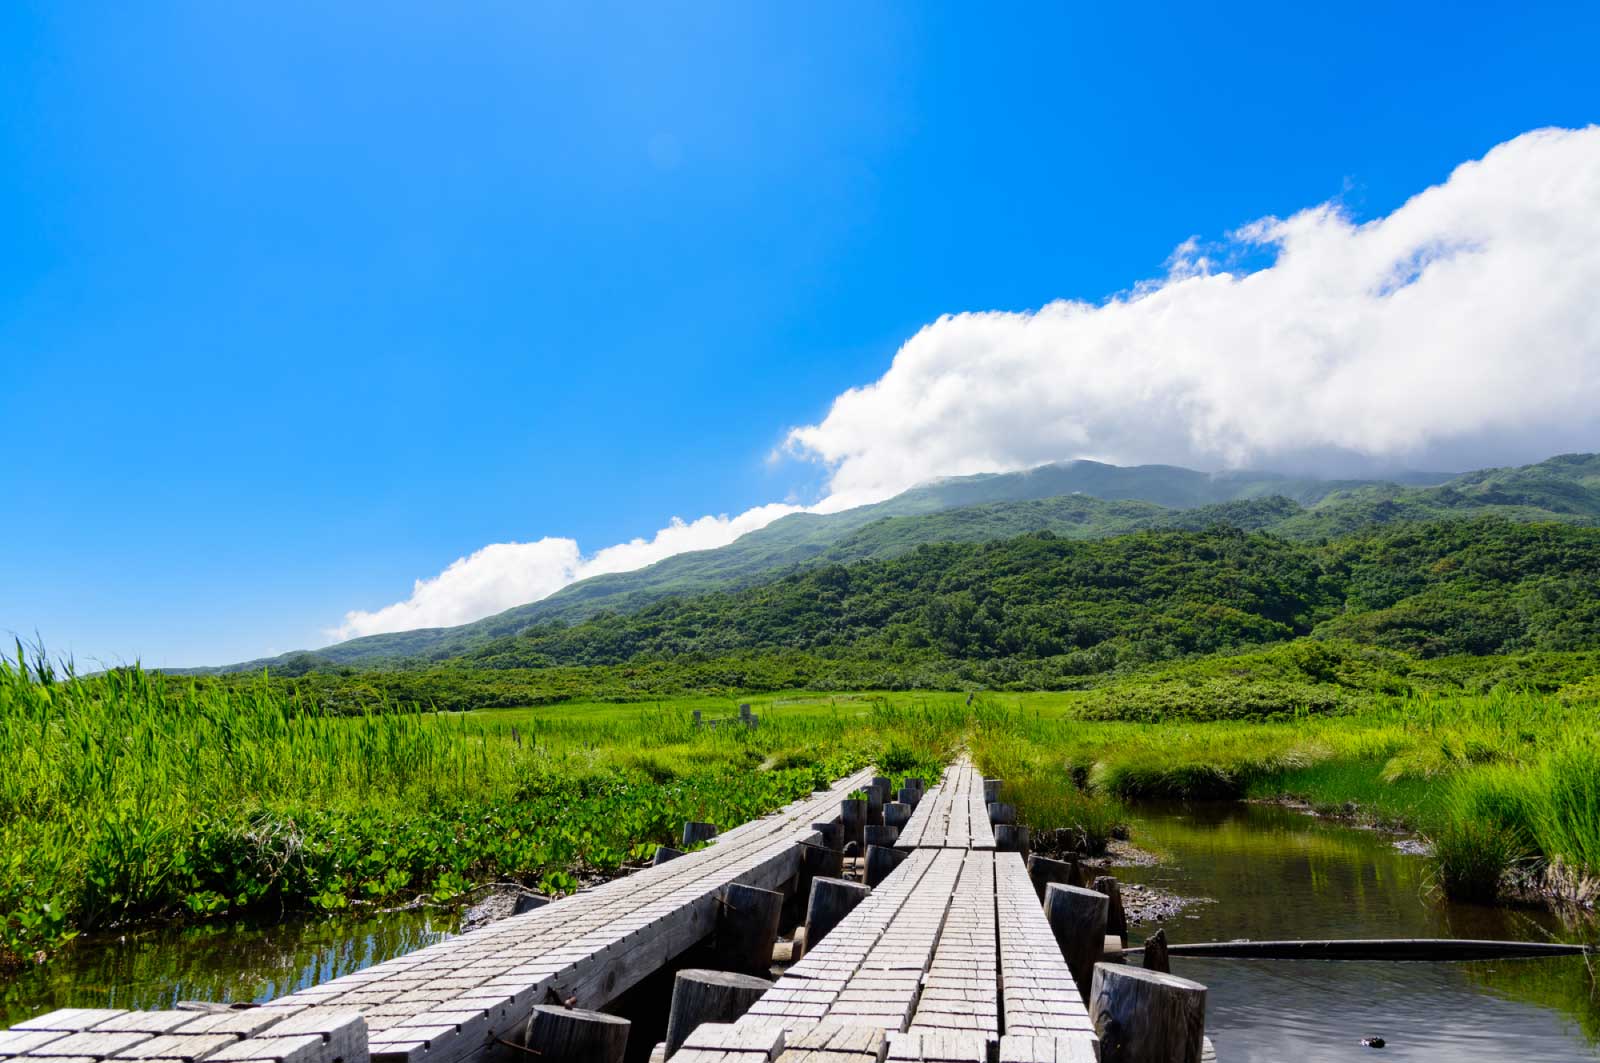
{"x": 1462, "y": 329}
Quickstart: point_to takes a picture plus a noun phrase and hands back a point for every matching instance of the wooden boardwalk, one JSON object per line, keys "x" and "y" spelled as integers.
{"x": 948, "y": 956}
{"x": 452, "y": 1000}
{"x": 950, "y": 959}
{"x": 952, "y": 814}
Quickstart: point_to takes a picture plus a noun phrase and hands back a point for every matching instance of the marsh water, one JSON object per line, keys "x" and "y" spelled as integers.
{"x": 219, "y": 962}
{"x": 1275, "y": 873}
{"x": 1269, "y": 872}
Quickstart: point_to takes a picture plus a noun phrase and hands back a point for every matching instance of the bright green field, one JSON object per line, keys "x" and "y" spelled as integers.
{"x": 130, "y": 798}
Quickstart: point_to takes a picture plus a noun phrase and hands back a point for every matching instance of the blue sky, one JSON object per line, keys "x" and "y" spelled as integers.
{"x": 299, "y": 303}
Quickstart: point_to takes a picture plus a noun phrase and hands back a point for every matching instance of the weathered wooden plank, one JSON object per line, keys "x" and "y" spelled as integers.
{"x": 1039, "y": 995}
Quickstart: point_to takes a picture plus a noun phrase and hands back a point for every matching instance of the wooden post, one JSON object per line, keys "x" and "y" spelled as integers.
{"x": 853, "y": 814}
{"x": 908, "y": 796}
{"x": 881, "y": 860}
{"x": 831, "y": 900}
{"x": 697, "y": 720}
{"x": 747, "y": 925}
{"x": 698, "y": 832}
{"x": 896, "y": 814}
{"x": 884, "y": 836}
{"x": 709, "y": 996}
{"x": 1042, "y": 871}
{"x": 1147, "y": 1017}
{"x": 1000, "y": 812}
{"x": 1078, "y": 919}
{"x": 1155, "y": 953}
{"x": 527, "y": 902}
{"x": 916, "y": 782}
{"x": 1010, "y": 838}
{"x": 665, "y": 853}
{"x": 875, "y": 801}
{"x": 832, "y": 832}
{"x": 885, "y": 785}
{"x": 991, "y": 789}
{"x": 571, "y": 1035}
{"x": 1116, "y": 918}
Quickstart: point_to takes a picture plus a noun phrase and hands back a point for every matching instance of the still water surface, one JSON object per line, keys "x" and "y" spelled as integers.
{"x": 1276, "y": 873}
{"x": 1272, "y": 872}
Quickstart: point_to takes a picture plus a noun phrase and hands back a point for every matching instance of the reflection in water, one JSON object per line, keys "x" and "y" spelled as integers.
{"x": 219, "y": 962}
{"x": 1276, "y": 873}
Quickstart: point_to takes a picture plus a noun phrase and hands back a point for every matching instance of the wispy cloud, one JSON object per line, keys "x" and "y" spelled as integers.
{"x": 502, "y": 575}
{"x": 1462, "y": 329}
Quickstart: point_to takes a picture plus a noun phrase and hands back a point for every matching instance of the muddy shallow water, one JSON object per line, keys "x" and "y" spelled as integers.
{"x": 1278, "y": 873}
{"x": 1270, "y": 872}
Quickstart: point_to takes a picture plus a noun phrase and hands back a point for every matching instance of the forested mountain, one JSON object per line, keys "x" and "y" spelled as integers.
{"x": 1081, "y": 607}
{"x": 1078, "y": 500}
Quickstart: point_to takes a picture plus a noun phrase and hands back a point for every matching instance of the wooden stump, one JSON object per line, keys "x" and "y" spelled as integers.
{"x": 832, "y": 833}
{"x": 884, "y": 784}
{"x": 694, "y": 833}
{"x": 527, "y": 902}
{"x": 1000, "y": 812}
{"x": 1155, "y": 953}
{"x": 908, "y": 796}
{"x": 875, "y": 803}
{"x": 853, "y": 816}
{"x": 896, "y": 814}
{"x": 991, "y": 790}
{"x": 1145, "y": 1016}
{"x": 915, "y": 782}
{"x": 665, "y": 853}
{"x": 881, "y": 860}
{"x": 1010, "y": 838}
{"x": 815, "y": 862}
{"x": 571, "y": 1035}
{"x": 1078, "y": 920}
{"x": 884, "y": 836}
{"x": 747, "y": 925}
{"x": 1116, "y": 918}
{"x": 1043, "y": 871}
{"x": 831, "y": 900}
{"x": 709, "y": 996}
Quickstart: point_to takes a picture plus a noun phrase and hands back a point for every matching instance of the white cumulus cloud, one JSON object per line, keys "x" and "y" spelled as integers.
{"x": 502, "y": 575}
{"x": 1462, "y": 329}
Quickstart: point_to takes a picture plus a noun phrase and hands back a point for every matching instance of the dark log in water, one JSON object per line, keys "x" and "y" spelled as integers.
{"x": 1407, "y": 949}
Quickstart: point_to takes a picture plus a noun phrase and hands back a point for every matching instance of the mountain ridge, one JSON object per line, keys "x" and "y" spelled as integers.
{"x": 1080, "y": 499}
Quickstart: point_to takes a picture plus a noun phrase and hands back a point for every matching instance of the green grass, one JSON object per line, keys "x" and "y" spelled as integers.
{"x": 131, "y": 799}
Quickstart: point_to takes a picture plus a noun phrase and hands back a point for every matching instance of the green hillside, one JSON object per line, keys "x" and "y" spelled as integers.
{"x": 1079, "y": 500}
{"x": 1063, "y": 607}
